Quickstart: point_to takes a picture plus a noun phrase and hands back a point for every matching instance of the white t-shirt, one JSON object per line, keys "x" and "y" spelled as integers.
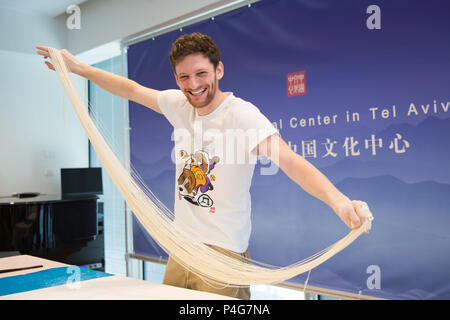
{"x": 215, "y": 158}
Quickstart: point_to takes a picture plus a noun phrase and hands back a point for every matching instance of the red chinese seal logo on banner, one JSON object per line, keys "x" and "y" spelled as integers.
{"x": 296, "y": 83}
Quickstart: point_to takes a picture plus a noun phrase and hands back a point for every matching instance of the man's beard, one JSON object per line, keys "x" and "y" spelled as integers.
{"x": 211, "y": 93}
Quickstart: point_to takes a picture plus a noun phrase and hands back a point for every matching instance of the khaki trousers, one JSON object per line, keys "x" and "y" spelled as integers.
{"x": 177, "y": 275}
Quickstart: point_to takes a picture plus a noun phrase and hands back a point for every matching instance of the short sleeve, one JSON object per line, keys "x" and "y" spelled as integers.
{"x": 172, "y": 104}
{"x": 253, "y": 121}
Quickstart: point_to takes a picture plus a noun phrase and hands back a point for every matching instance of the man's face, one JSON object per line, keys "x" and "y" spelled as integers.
{"x": 196, "y": 77}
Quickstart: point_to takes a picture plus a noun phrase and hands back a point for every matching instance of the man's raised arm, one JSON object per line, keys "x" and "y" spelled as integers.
{"x": 310, "y": 179}
{"x": 111, "y": 82}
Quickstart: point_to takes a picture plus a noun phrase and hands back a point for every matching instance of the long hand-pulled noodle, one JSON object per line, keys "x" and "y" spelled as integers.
{"x": 176, "y": 240}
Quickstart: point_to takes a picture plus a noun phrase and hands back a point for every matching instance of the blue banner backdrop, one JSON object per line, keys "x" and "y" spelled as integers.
{"x": 362, "y": 92}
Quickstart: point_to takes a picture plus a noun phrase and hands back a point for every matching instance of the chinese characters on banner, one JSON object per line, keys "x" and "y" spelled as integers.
{"x": 351, "y": 146}
{"x": 296, "y": 83}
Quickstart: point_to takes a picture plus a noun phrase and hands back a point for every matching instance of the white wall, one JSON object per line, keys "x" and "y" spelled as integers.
{"x": 104, "y": 21}
{"x": 21, "y": 31}
{"x": 35, "y": 139}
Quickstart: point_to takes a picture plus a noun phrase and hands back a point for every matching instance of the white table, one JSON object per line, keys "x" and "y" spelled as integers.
{"x": 115, "y": 287}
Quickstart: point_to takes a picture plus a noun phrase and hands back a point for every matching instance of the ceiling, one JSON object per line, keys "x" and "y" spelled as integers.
{"x": 51, "y": 8}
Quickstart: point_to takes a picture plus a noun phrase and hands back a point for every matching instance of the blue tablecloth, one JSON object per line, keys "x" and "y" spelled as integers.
{"x": 47, "y": 278}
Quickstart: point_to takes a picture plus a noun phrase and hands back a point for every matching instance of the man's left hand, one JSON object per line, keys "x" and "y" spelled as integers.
{"x": 353, "y": 213}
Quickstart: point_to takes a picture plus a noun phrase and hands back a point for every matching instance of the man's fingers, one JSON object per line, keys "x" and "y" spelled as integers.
{"x": 49, "y": 65}
{"x": 355, "y": 222}
{"x": 43, "y": 51}
{"x": 45, "y": 55}
{"x": 362, "y": 210}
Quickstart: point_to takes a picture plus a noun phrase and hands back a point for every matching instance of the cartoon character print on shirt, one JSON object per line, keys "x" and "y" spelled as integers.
{"x": 196, "y": 179}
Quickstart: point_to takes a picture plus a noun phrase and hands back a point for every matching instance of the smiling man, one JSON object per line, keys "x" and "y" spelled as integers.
{"x": 198, "y": 78}
{"x": 212, "y": 190}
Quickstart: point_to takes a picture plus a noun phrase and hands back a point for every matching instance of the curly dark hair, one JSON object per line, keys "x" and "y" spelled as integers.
{"x": 194, "y": 43}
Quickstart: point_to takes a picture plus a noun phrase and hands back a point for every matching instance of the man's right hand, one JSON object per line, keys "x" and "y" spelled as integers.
{"x": 118, "y": 85}
{"x": 73, "y": 65}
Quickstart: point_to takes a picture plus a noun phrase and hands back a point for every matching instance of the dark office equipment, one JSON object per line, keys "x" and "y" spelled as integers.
{"x": 77, "y": 181}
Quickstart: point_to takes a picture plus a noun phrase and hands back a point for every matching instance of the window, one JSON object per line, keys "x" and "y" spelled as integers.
{"x": 107, "y": 111}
